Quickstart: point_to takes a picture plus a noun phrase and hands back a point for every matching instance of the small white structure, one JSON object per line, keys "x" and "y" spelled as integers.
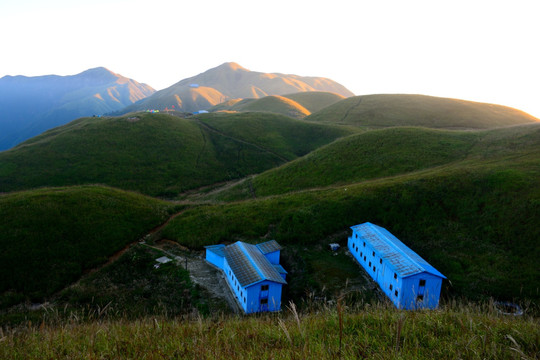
{"x": 193, "y": 85}
{"x": 334, "y": 246}
{"x": 161, "y": 260}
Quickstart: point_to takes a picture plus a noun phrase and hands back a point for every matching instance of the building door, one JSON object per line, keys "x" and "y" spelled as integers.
{"x": 263, "y": 304}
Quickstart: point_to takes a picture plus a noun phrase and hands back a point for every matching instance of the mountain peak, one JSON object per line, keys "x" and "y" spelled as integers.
{"x": 232, "y": 66}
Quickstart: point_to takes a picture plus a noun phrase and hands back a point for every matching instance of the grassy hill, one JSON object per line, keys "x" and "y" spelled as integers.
{"x": 370, "y": 155}
{"x": 349, "y": 331}
{"x": 465, "y": 218}
{"x": 158, "y": 154}
{"x": 51, "y": 236}
{"x": 315, "y": 100}
{"x": 373, "y": 111}
{"x": 274, "y": 104}
{"x": 297, "y": 105}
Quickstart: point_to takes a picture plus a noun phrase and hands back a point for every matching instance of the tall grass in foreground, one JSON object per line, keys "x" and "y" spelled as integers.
{"x": 337, "y": 332}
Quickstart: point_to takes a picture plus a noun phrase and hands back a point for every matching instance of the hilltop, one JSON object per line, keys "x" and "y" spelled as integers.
{"x": 232, "y": 81}
{"x": 160, "y": 154}
{"x": 298, "y": 105}
{"x": 374, "y": 111}
{"x": 31, "y": 105}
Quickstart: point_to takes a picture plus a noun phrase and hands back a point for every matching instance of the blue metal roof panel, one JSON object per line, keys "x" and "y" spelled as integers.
{"x": 250, "y": 265}
{"x": 399, "y": 256}
{"x": 269, "y": 246}
{"x": 216, "y": 249}
{"x": 262, "y": 264}
{"x": 280, "y": 269}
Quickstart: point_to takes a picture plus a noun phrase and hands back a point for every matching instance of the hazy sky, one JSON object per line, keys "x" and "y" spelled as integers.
{"x": 476, "y": 50}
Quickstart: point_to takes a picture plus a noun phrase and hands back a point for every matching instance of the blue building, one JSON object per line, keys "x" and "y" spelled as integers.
{"x": 253, "y": 273}
{"x": 406, "y": 279}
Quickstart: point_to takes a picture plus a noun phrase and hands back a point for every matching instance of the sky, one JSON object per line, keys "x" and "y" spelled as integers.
{"x": 486, "y": 51}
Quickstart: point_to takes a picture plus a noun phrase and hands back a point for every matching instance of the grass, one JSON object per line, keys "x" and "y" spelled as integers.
{"x": 360, "y": 157}
{"x": 373, "y": 111}
{"x": 465, "y": 220}
{"x": 347, "y": 331}
{"x": 297, "y": 105}
{"x": 274, "y": 104}
{"x": 158, "y": 155}
{"x": 51, "y": 236}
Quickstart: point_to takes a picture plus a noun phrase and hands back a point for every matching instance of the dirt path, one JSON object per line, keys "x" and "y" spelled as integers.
{"x": 201, "y": 272}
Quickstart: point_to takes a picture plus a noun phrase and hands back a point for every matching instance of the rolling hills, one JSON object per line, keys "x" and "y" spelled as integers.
{"x": 50, "y": 236}
{"x": 159, "y": 154}
{"x": 231, "y": 81}
{"x": 464, "y": 218}
{"x": 31, "y": 105}
{"x": 298, "y": 105}
{"x": 374, "y": 111}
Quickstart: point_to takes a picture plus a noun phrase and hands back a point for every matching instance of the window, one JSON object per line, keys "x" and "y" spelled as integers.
{"x": 380, "y": 261}
{"x": 420, "y": 298}
{"x": 422, "y": 282}
{"x": 395, "y": 292}
{"x": 374, "y": 268}
{"x": 395, "y": 276}
{"x": 244, "y": 299}
{"x": 374, "y": 253}
{"x": 364, "y": 244}
{"x": 364, "y": 258}
{"x": 391, "y": 287}
{"x": 356, "y": 235}
{"x": 264, "y": 287}
{"x": 264, "y": 301}
{"x": 361, "y": 254}
{"x": 370, "y": 264}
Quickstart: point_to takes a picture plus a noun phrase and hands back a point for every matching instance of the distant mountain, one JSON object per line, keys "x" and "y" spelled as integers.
{"x": 232, "y": 81}
{"x": 31, "y": 105}
{"x": 386, "y": 110}
{"x": 297, "y": 105}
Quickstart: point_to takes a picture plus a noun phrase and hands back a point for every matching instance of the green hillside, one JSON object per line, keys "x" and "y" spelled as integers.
{"x": 51, "y": 236}
{"x": 158, "y": 154}
{"x": 465, "y": 219}
{"x": 274, "y": 104}
{"x": 315, "y": 100}
{"x": 297, "y": 105}
{"x": 370, "y": 155}
{"x": 374, "y": 111}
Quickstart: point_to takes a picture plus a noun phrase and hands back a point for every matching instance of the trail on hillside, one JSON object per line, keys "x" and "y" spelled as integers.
{"x": 210, "y": 128}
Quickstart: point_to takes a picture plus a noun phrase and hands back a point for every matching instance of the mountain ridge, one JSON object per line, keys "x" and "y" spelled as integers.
{"x": 230, "y": 81}
{"x": 31, "y": 105}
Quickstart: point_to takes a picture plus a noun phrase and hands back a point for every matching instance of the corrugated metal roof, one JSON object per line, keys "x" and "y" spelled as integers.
{"x": 216, "y": 249}
{"x": 269, "y": 246}
{"x": 250, "y": 265}
{"x": 399, "y": 256}
{"x": 280, "y": 269}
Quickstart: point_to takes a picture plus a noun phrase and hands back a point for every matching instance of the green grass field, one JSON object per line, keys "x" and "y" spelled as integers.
{"x": 346, "y": 331}
{"x": 375, "y": 111}
{"x": 465, "y": 218}
{"x": 297, "y": 105}
{"x": 159, "y": 155}
{"x": 51, "y": 236}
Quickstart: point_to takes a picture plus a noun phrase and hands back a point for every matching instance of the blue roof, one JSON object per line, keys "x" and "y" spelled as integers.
{"x": 269, "y": 246}
{"x": 216, "y": 249}
{"x": 280, "y": 269}
{"x": 249, "y": 265}
{"x": 400, "y": 258}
